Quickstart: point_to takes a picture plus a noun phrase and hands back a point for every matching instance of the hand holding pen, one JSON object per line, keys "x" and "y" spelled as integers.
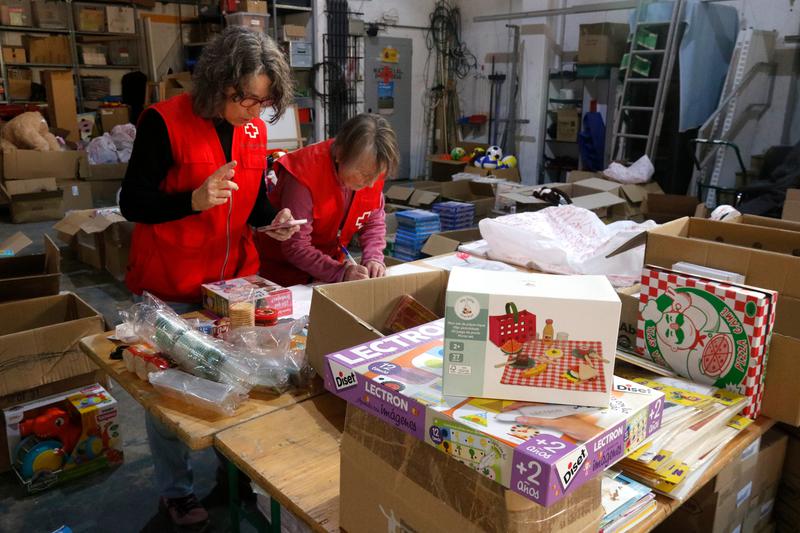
{"x": 354, "y": 271}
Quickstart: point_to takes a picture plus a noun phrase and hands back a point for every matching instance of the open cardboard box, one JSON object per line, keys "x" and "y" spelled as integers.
{"x": 347, "y": 314}
{"x": 446, "y": 242}
{"x": 769, "y": 258}
{"x": 481, "y": 195}
{"x": 29, "y": 276}
{"x": 32, "y": 164}
{"x": 35, "y": 206}
{"x": 791, "y": 206}
{"x": 667, "y": 207}
{"x": 83, "y": 230}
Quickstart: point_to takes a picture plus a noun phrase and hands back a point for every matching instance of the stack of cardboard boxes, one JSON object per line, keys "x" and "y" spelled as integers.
{"x": 100, "y": 237}
{"x": 787, "y": 502}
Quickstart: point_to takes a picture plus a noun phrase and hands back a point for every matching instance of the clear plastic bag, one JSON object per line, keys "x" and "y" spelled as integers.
{"x": 281, "y": 359}
{"x": 201, "y": 354}
{"x": 219, "y": 398}
{"x": 123, "y": 136}
{"x": 102, "y": 150}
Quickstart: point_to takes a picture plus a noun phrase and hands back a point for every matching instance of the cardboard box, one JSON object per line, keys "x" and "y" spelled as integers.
{"x": 481, "y": 195}
{"x": 568, "y": 124}
{"x": 114, "y": 116}
{"x": 34, "y": 206}
{"x": 390, "y": 479}
{"x": 398, "y": 379}
{"x": 791, "y": 207}
{"x": 61, "y": 107}
{"x": 605, "y": 205}
{"x": 398, "y": 195}
{"x": 251, "y": 6}
{"x": 124, "y": 52}
{"x": 15, "y": 13}
{"x": 77, "y": 194}
{"x": 19, "y": 83}
{"x": 421, "y": 199}
{"x": 29, "y": 276}
{"x": 633, "y": 194}
{"x": 628, "y": 318}
{"x": 253, "y": 21}
{"x": 48, "y": 14}
{"x": 54, "y": 49}
{"x": 766, "y": 222}
{"x": 105, "y": 192}
{"x": 106, "y": 172}
{"x": 83, "y": 230}
{"x": 218, "y": 296}
{"x": 31, "y": 164}
{"x": 16, "y": 187}
{"x": 443, "y": 169}
{"x": 446, "y": 242}
{"x": 176, "y": 84}
{"x": 117, "y": 243}
{"x": 574, "y": 176}
{"x": 90, "y": 17}
{"x": 668, "y": 207}
{"x": 93, "y": 54}
{"x": 766, "y": 257}
{"x": 293, "y": 32}
{"x": 535, "y": 324}
{"x": 120, "y": 19}
{"x": 14, "y": 54}
{"x": 602, "y": 43}
{"x": 90, "y": 412}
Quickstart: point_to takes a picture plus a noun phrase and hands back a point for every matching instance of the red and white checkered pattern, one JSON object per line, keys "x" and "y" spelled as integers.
{"x": 553, "y": 376}
{"x": 655, "y": 282}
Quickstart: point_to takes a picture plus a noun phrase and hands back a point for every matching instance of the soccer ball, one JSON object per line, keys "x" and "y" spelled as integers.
{"x": 494, "y": 153}
{"x": 457, "y": 153}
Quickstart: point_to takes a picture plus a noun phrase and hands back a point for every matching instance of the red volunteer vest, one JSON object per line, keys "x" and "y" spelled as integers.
{"x": 172, "y": 259}
{"x": 313, "y": 166}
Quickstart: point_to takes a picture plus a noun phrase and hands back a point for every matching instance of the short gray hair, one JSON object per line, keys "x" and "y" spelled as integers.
{"x": 229, "y": 60}
{"x": 368, "y": 131}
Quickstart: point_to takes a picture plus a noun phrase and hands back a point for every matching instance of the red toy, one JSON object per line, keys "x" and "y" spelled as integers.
{"x": 53, "y": 423}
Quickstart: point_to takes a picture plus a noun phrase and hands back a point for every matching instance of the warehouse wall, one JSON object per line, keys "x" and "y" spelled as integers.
{"x": 415, "y": 13}
{"x": 780, "y": 124}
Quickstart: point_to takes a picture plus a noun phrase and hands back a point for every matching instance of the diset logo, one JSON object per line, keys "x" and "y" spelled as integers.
{"x": 569, "y": 466}
{"x": 632, "y": 388}
{"x": 343, "y": 378}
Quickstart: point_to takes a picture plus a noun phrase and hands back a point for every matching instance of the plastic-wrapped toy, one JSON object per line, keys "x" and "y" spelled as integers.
{"x": 218, "y": 398}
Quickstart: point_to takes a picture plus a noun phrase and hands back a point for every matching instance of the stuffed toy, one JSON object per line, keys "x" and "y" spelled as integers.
{"x": 28, "y": 131}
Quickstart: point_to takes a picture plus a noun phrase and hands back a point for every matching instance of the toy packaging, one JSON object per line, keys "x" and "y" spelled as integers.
{"x": 530, "y": 337}
{"x": 542, "y": 451}
{"x": 708, "y": 331}
{"x": 63, "y": 437}
{"x": 218, "y": 296}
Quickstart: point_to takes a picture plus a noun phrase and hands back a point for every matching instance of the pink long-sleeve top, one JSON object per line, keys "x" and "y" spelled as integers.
{"x": 301, "y": 252}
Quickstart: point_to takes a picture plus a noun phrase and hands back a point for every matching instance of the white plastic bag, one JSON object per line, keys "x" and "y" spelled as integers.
{"x": 639, "y": 172}
{"x": 102, "y": 150}
{"x": 566, "y": 240}
{"x": 123, "y": 136}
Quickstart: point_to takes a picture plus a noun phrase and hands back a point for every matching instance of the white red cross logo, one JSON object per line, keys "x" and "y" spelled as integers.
{"x": 251, "y": 130}
{"x": 360, "y": 221}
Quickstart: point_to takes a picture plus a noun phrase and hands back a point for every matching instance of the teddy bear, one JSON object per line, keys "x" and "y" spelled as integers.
{"x": 28, "y": 131}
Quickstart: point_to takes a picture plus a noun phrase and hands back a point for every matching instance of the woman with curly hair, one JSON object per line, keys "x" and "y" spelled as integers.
{"x": 195, "y": 189}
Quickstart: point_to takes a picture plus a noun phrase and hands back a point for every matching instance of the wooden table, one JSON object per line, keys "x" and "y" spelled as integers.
{"x": 196, "y": 429}
{"x": 293, "y": 454}
{"x": 666, "y": 506}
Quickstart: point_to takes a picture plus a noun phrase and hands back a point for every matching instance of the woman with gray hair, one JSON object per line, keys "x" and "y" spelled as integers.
{"x": 195, "y": 188}
{"x": 338, "y": 186}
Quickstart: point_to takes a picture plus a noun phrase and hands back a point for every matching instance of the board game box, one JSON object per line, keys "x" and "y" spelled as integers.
{"x": 542, "y": 451}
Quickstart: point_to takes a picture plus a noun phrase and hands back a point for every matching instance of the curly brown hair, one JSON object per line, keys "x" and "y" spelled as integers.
{"x": 229, "y": 60}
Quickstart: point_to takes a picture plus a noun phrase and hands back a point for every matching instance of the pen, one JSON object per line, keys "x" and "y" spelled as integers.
{"x": 347, "y": 255}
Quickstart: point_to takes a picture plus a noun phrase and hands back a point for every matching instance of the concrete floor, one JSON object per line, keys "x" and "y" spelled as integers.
{"x": 122, "y": 500}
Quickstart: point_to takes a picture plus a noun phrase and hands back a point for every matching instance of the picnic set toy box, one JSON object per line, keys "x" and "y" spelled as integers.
{"x": 530, "y": 337}
{"x": 63, "y": 437}
{"x": 541, "y": 451}
{"x": 218, "y": 296}
{"x": 706, "y": 330}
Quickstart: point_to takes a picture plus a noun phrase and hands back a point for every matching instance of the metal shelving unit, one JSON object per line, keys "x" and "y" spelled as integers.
{"x": 73, "y": 33}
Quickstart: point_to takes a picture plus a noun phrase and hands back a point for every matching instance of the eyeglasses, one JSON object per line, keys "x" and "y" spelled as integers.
{"x": 249, "y": 102}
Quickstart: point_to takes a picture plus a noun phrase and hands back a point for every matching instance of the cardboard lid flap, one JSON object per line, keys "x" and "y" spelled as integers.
{"x": 14, "y": 244}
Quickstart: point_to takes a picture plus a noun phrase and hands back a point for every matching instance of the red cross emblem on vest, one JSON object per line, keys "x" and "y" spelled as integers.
{"x": 251, "y": 130}
{"x": 360, "y": 221}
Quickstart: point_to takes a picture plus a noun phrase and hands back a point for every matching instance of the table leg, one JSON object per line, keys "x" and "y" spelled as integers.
{"x": 234, "y": 505}
{"x": 275, "y": 515}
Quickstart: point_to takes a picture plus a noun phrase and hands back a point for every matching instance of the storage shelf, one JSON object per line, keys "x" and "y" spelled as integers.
{"x": 560, "y": 142}
{"x": 566, "y": 101}
{"x": 30, "y": 29}
{"x": 285, "y": 7}
{"x": 110, "y": 67}
{"x": 40, "y": 65}
{"x": 129, "y": 36}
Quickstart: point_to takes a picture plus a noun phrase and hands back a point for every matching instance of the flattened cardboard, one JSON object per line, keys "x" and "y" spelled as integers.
{"x": 32, "y": 164}
{"x": 791, "y": 207}
{"x": 423, "y": 199}
{"x": 346, "y": 314}
{"x": 29, "y": 276}
{"x": 397, "y": 194}
{"x": 449, "y": 241}
{"x": 14, "y": 245}
{"x": 390, "y": 479}
{"x": 40, "y": 338}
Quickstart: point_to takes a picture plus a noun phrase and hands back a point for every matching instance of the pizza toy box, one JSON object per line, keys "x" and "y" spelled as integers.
{"x": 706, "y": 330}
{"x": 541, "y": 451}
{"x": 63, "y": 437}
{"x": 530, "y": 337}
{"x": 218, "y": 296}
